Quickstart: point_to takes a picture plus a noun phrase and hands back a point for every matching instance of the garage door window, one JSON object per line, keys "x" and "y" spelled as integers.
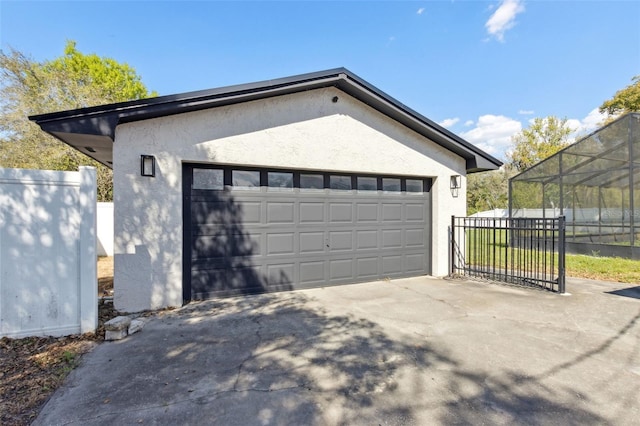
{"x": 280, "y": 180}
{"x": 208, "y": 179}
{"x": 367, "y": 183}
{"x": 391, "y": 185}
{"x": 415, "y": 186}
{"x": 311, "y": 181}
{"x": 218, "y": 178}
{"x": 340, "y": 182}
{"x": 245, "y": 179}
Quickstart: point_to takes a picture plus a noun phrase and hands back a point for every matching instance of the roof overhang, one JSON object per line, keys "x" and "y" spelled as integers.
{"x": 92, "y": 130}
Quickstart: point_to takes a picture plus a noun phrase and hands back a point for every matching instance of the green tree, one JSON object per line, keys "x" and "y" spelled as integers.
{"x": 488, "y": 190}
{"x": 624, "y": 100}
{"x": 543, "y": 138}
{"x": 73, "y": 80}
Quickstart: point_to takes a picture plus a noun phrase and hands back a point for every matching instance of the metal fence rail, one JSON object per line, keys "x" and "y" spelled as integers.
{"x": 521, "y": 251}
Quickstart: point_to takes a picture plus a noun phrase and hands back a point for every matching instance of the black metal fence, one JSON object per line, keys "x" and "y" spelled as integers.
{"x": 521, "y": 251}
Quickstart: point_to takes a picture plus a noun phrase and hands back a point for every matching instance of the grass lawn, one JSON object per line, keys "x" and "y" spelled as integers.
{"x": 603, "y": 268}
{"x": 489, "y": 247}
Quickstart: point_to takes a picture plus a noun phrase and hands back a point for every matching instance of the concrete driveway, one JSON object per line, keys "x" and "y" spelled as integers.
{"x": 411, "y": 351}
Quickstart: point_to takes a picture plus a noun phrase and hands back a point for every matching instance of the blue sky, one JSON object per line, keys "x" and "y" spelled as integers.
{"x": 481, "y": 68}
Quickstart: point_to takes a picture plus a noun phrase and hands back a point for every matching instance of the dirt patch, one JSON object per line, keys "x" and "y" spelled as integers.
{"x": 105, "y": 276}
{"x": 31, "y": 369}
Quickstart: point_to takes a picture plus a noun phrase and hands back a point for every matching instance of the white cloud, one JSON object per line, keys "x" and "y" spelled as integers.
{"x": 591, "y": 122}
{"x": 594, "y": 119}
{"x": 420, "y": 11}
{"x": 504, "y": 18}
{"x": 448, "y": 122}
{"x": 526, "y": 112}
{"x": 492, "y": 133}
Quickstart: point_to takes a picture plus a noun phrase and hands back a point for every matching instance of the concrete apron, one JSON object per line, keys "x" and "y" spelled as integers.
{"x": 409, "y": 351}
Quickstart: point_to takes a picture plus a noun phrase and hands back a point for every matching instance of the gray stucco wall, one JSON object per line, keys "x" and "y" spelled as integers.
{"x": 300, "y": 131}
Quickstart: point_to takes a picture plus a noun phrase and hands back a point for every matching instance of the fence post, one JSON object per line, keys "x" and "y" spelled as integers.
{"x": 453, "y": 244}
{"x": 561, "y": 254}
{"x": 88, "y": 245}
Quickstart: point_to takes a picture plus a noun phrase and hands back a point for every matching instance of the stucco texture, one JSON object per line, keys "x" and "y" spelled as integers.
{"x": 306, "y": 130}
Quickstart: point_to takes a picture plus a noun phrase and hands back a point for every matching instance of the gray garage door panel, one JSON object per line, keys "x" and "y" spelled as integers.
{"x": 249, "y": 241}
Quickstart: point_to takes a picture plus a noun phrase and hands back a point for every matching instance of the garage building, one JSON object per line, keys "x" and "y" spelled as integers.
{"x": 306, "y": 181}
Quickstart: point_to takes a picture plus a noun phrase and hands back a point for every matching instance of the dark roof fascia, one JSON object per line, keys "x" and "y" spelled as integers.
{"x": 102, "y": 120}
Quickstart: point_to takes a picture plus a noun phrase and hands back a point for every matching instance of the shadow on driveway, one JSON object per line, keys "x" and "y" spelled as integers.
{"x": 375, "y": 353}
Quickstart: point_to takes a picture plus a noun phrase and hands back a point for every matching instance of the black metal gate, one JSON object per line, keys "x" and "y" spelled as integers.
{"x": 521, "y": 251}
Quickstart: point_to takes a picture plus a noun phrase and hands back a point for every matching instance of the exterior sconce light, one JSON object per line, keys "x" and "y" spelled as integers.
{"x": 455, "y": 185}
{"x": 456, "y": 181}
{"x": 148, "y": 165}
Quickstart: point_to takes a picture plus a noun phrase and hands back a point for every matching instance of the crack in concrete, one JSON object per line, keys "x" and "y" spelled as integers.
{"x": 452, "y": 306}
{"x": 251, "y": 353}
{"x": 262, "y": 390}
{"x": 428, "y": 324}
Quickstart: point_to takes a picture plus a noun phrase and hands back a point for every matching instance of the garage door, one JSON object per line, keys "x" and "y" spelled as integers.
{"x": 255, "y": 230}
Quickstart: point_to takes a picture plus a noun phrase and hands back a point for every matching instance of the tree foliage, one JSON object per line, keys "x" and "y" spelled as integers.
{"x": 488, "y": 190}
{"x": 543, "y": 138}
{"x": 624, "y": 100}
{"x": 73, "y": 80}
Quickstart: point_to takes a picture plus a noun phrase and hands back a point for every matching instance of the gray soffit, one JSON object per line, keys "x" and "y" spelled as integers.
{"x": 92, "y": 130}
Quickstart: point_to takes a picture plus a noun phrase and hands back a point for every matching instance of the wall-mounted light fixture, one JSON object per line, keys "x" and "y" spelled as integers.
{"x": 147, "y": 165}
{"x": 455, "y": 184}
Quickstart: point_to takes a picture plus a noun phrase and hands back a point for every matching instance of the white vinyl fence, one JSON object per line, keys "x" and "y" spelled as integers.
{"x": 105, "y": 229}
{"x": 47, "y": 252}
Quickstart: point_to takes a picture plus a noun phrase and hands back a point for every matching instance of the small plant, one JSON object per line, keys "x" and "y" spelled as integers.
{"x": 68, "y": 357}
{"x": 68, "y": 360}
{"x": 595, "y": 253}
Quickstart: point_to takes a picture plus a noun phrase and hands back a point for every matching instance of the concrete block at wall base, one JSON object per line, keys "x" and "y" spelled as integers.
{"x": 115, "y": 335}
{"x": 136, "y": 325}
{"x": 118, "y": 324}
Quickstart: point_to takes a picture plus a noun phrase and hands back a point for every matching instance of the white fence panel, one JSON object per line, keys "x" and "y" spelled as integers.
{"x": 492, "y": 213}
{"x": 105, "y": 229}
{"x": 47, "y": 252}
